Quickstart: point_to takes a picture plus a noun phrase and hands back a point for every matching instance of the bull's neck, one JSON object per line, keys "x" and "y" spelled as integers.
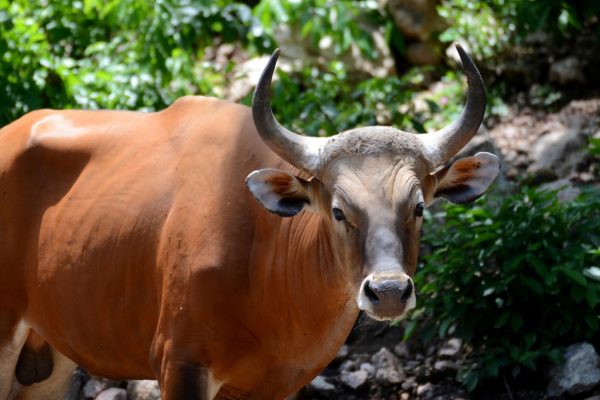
{"x": 295, "y": 267}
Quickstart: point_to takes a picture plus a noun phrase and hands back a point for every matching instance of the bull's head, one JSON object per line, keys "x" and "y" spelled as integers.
{"x": 372, "y": 184}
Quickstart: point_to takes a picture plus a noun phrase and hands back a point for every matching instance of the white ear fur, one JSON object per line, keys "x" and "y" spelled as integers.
{"x": 467, "y": 178}
{"x": 278, "y": 191}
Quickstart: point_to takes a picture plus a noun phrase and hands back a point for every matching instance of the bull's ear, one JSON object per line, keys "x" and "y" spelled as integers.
{"x": 467, "y": 178}
{"x": 278, "y": 191}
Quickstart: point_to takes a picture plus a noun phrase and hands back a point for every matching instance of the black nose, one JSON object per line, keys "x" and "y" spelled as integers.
{"x": 388, "y": 292}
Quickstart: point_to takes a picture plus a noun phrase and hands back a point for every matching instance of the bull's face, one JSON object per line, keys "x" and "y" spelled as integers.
{"x": 371, "y": 185}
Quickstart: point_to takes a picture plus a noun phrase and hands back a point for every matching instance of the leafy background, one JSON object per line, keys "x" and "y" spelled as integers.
{"x": 512, "y": 275}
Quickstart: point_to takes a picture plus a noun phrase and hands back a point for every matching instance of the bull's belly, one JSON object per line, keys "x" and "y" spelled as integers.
{"x": 100, "y": 322}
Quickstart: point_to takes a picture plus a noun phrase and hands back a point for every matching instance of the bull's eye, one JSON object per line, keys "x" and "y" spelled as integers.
{"x": 338, "y": 214}
{"x": 419, "y": 209}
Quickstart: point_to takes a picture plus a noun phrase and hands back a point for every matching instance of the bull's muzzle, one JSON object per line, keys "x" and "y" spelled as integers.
{"x": 386, "y": 296}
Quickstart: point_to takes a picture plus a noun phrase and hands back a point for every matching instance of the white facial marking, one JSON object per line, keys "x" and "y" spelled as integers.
{"x": 54, "y": 126}
{"x": 9, "y": 354}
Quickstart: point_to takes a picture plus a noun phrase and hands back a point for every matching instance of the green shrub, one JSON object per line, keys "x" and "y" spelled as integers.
{"x": 514, "y": 279}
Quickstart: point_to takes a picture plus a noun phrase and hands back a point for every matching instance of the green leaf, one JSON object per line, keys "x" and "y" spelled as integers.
{"x": 574, "y": 276}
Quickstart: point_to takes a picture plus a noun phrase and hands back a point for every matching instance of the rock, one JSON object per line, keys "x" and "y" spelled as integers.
{"x": 78, "y": 378}
{"x": 368, "y": 368}
{"x": 567, "y": 71}
{"x": 143, "y": 390}
{"x": 343, "y": 352}
{"x": 597, "y": 397}
{"x": 348, "y": 365}
{"x": 404, "y": 396}
{"x": 566, "y": 191}
{"x": 409, "y": 384}
{"x": 579, "y": 373}
{"x": 112, "y": 394}
{"x": 417, "y": 19}
{"x": 423, "y": 389}
{"x": 557, "y": 152}
{"x": 450, "y": 348}
{"x": 401, "y": 350}
{"x": 423, "y": 53}
{"x": 387, "y": 368}
{"x": 92, "y": 388}
{"x": 321, "y": 385}
{"x": 445, "y": 366}
{"x": 354, "y": 379}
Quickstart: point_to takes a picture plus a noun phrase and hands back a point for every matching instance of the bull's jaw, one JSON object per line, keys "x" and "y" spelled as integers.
{"x": 394, "y": 298}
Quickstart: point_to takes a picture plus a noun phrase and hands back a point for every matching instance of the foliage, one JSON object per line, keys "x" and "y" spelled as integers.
{"x": 324, "y": 103}
{"x": 475, "y": 23}
{"x": 509, "y": 277}
{"x": 323, "y": 21}
{"x": 111, "y": 54}
{"x": 490, "y": 26}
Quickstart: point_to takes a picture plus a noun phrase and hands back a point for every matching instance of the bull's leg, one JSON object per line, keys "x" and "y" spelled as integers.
{"x": 187, "y": 381}
{"x": 12, "y": 338}
{"x": 54, "y": 387}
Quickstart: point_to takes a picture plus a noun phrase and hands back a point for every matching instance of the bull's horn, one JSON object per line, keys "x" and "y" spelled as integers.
{"x": 442, "y": 145}
{"x": 300, "y": 151}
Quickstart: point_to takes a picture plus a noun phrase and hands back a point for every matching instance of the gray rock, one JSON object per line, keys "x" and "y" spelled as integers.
{"x": 354, "y": 379}
{"x": 424, "y": 388}
{"x": 566, "y": 191}
{"x": 387, "y": 367}
{"x": 445, "y": 366}
{"x": 401, "y": 350}
{"x": 409, "y": 384}
{"x": 76, "y": 384}
{"x": 579, "y": 373}
{"x": 348, "y": 365}
{"x": 143, "y": 390}
{"x": 343, "y": 352}
{"x": 92, "y": 388}
{"x": 450, "y": 348}
{"x": 321, "y": 385}
{"x": 112, "y": 394}
{"x": 368, "y": 368}
{"x": 557, "y": 152}
{"x": 567, "y": 71}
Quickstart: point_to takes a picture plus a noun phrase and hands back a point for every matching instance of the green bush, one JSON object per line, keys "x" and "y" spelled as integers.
{"x": 513, "y": 278}
{"x": 136, "y": 54}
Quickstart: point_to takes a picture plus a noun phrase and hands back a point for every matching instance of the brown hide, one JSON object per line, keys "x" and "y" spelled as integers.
{"x": 129, "y": 242}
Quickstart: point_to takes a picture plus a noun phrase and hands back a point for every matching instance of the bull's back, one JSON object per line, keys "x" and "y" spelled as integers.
{"x": 87, "y": 199}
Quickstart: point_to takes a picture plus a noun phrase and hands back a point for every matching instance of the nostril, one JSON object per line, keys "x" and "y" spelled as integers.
{"x": 407, "y": 292}
{"x": 371, "y": 294}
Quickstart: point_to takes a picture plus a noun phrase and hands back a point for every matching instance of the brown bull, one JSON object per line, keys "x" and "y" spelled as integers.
{"x": 130, "y": 245}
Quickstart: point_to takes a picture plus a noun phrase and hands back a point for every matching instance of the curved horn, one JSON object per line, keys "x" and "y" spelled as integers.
{"x": 300, "y": 151}
{"x": 442, "y": 145}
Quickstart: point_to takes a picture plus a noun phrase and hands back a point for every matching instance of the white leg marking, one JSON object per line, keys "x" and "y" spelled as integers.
{"x": 9, "y": 355}
{"x": 53, "y": 388}
{"x": 213, "y": 386}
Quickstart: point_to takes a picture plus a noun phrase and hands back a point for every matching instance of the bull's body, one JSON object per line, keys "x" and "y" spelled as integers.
{"x": 126, "y": 236}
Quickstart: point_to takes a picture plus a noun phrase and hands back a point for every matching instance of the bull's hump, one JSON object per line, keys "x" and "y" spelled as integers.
{"x": 78, "y": 130}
